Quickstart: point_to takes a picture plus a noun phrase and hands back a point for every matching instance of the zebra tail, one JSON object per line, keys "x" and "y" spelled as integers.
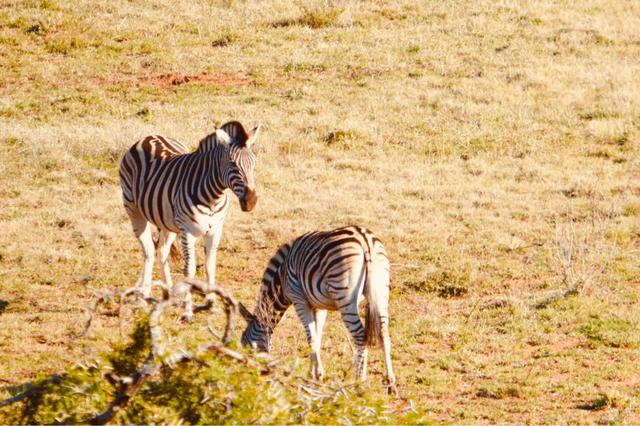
{"x": 174, "y": 253}
{"x": 372, "y": 322}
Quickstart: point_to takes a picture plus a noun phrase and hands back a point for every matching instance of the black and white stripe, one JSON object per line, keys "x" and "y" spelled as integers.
{"x": 327, "y": 271}
{"x": 181, "y": 192}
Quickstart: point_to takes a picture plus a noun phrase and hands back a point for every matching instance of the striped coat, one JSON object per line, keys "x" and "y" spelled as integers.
{"x": 327, "y": 271}
{"x": 186, "y": 193}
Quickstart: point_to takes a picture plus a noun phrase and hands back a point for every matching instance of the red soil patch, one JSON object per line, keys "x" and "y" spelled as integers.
{"x": 179, "y": 79}
{"x": 166, "y": 80}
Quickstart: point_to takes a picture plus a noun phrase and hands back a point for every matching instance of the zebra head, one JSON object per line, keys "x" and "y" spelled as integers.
{"x": 258, "y": 333}
{"x": 272, "y": 304}
{"x": 269, "y": 311}
{"x": 238, "y": 166}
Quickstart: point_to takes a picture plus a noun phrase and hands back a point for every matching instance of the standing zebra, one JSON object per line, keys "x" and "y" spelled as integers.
{"x": 322, "y": 271}
{"x": 181, "y": 192}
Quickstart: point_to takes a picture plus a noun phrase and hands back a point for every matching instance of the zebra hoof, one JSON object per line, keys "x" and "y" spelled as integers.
{"x": 186, "y": 318}
{"x": 392, "y": 390}
{"x": 165, "y": 294}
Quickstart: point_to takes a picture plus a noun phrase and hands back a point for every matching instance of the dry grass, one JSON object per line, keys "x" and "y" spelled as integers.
{"x": 480, "y": 141}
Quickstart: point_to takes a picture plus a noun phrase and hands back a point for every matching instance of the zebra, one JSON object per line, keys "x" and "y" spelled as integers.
{"x": 322, "y": 271}
{"x": 186, "y": 192}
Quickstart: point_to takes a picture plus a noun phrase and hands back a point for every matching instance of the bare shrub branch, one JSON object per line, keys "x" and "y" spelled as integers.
{"x": 156, "y": 359}
{"x": 577, "y": 253}
{"x": 129, "y": 387}
{"x": 159, "y": 359}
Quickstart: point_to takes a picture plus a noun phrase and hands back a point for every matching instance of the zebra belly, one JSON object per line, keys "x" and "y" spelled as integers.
{"x": 164, "y": 220}
{"x": 329, "y": 305}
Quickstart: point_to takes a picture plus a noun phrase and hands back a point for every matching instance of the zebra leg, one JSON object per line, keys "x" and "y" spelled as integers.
{"x": 386, "y": 343}
{"x": 164, "y": 246}
{"x": 381, "y": 277}
{"x": 353, "y": 323}
{"x": 321, "y": 317}
{"x": 211, "y": 243}
{"x": 308, "y": 318}
{"x": 189, "y": 252}
{"x": 142, "y": 231}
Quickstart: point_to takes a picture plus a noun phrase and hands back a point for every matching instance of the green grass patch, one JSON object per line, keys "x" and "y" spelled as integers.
{"x": 65, "y": 44}
{"x": 224, "y": 39}
{"x": 598, "y": 114}
{"x": 608, "y": 400}
{"x": 498, "y": 392}
{"x": 312, "y": 18}
{"x": 631, "y": 209}
{"x": 445, "y": 284}
{"x": 348, "y": 140}
{"x": 610, "y": 331}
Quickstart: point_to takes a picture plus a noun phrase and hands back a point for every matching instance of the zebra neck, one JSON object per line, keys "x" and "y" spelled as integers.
{"x": 212, "y": 190}
{"x": 270, "y": 310}
{"x": 269, "y": 321}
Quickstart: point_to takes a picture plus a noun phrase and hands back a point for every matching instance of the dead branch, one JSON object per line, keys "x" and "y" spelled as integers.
{"x": 230, "y": 304}
{"x": 156, "y": 359}
{"x": 554, "y": 297}
{"x": 155, "y": 331}
{"x": 127, "y": 390}
{"x": 103, "y": 297}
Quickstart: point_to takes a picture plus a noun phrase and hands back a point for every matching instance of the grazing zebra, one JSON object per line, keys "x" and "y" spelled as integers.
{"x": 322, "y": 271}
{"x": 186, "y": 192}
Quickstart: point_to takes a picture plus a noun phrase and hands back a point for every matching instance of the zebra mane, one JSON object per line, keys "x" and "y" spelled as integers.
{"x": 236, "y": 133}
{"x": 274, "y": 265}
{"x": 208, "y": 143}
{"x": 270, "y": 303}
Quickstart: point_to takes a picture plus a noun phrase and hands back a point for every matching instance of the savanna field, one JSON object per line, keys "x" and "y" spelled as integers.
{"x": 492, "y": 146}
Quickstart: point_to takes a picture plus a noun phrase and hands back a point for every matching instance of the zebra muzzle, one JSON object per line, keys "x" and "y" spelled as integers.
{"x": 249, "y": 200}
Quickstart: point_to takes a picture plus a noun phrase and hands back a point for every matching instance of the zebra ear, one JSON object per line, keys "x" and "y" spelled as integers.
{"x": 248, "y": 316}
{"x": 222, "y": 136}
{"x": 236, "y": 133}
{"x": 253, "y": 135}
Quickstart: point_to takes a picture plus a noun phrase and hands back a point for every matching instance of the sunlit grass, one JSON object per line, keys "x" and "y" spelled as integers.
{"x": 493, "y": 147}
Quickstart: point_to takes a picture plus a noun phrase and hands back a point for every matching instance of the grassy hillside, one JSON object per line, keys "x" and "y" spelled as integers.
{"x": 494, "y": 148}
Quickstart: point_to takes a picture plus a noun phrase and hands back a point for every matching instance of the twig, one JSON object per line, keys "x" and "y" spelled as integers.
{"x": 556, "y": 296}
{"x": 156, "y": 359}
{"x": 468, "y": 316}
{"x": 105, "y": 297}
{"x": 231, "y": 305}
{"x": 212, "y": 331}
{"x": 155, "y": 332}
{"x": 127, "y": 390}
